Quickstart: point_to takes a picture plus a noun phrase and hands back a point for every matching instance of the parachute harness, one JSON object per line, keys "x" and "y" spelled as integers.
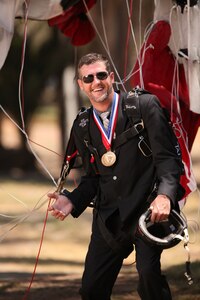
{"x": 65, "y": 171}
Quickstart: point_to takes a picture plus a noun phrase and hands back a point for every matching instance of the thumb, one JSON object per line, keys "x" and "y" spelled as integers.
{"x": 50, "y": 208}
{"x": 52, "y": 195}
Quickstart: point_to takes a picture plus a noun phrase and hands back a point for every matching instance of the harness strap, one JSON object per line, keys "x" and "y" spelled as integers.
{"x": 68, "y": 162}
{"x": 133, "y": 112}
{"x": 83, "y": 123}
{"x": 123, "y": 247}
{"x": 128, "y": 134}
{"x": 132, "y": 107}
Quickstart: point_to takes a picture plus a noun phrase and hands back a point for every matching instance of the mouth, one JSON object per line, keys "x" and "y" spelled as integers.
{"x": 98, "y": 94}
{"x": 99, "y": 89}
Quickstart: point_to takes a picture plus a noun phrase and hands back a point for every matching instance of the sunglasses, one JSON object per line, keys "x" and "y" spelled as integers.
{"x": 90, "y": 78}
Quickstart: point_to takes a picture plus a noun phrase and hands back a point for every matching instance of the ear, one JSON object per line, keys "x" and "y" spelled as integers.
{"x": 80, "y": 83}
{"x": 112, "y": 77}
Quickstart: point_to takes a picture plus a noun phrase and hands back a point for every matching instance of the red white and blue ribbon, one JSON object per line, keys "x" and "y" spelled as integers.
{"x": 107, "y": 135}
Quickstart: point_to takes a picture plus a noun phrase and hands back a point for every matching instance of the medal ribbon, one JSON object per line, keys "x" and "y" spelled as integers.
{"x": 107, "y": 135}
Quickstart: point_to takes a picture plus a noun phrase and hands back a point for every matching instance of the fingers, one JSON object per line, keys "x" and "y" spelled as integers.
{"x": 58, "y": 214}
{"x": 160, "y": 209}
{"x": 158, "y": 215}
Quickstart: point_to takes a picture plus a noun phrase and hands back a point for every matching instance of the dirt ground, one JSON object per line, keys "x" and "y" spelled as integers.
{"x": 60, "y": 264}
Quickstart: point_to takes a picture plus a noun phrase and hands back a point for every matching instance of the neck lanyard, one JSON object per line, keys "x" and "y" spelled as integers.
{"x": 107, "y": 135}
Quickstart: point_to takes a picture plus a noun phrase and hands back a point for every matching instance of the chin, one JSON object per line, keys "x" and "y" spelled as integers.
{"x": 102, "y": 98}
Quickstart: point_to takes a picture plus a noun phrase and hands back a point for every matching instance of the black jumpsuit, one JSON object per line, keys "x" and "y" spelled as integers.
{"x": 121, "y": 192}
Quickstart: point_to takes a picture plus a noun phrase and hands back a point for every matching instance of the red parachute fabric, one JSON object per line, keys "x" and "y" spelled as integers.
{"x": 170, "y": 103}
{"x": 75, "y": 24}
{"x": 160, "y": 67}
{"x": 158, "y": 71}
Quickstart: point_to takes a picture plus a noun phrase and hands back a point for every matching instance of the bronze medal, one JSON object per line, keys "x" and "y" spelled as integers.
{"x": 108, "y": 159}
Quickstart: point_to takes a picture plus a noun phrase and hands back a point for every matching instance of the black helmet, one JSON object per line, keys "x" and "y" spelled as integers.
{"x": 167, "y": 233}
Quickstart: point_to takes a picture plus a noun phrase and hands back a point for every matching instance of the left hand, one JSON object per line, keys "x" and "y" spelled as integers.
{"x": 160, "y": 208}
{"x": 62, "y": 206}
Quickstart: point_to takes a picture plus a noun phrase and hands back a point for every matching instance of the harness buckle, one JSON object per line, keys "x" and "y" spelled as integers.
{"x": 139, "y": 126}
{"x": 144, "y": 147}
{"x": 86, "y": 143}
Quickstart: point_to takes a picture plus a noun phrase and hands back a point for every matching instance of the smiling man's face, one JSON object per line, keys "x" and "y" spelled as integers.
{"x": 100, "y": 89}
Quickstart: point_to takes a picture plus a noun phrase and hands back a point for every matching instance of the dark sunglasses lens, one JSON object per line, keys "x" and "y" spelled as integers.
{"x": 88, "y": 79}
{"x": 102, "y": 75}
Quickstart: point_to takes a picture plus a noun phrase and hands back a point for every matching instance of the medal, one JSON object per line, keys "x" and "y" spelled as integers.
{"x": 108, "y": 159}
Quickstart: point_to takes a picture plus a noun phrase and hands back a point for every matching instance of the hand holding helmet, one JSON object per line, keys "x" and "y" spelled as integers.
{"x": 166, "y": 233}
{"x": 160, "y": 208}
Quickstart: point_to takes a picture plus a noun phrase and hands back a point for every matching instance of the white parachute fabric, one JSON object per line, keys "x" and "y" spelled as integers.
{"x": 10, "y": 9}
{"x": 184, "y": 42}
{"x": 39, "y": 9}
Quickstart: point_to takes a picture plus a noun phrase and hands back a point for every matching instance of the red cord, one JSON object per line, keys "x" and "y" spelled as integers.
{"x": 37, "y": 257}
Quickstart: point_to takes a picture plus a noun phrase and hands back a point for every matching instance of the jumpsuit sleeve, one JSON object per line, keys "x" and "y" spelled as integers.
{"x": 166, "y": 161}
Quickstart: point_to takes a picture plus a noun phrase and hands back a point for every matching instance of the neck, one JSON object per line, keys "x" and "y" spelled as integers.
{"x": 102, "y": 107}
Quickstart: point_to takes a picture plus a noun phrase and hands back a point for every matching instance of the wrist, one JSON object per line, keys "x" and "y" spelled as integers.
{"x": 66, "y": 193}
{"x": 167, "y": 200}
{"x": 165, "y": 196}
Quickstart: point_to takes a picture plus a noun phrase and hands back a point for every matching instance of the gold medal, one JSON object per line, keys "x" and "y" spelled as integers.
{"x": 108, "y": 159}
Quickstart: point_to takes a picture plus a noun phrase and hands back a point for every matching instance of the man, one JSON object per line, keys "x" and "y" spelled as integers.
{"x": 121, "y": 180}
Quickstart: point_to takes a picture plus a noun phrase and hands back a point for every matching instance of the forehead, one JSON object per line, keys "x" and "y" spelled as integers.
{"x": 92, "y": 68}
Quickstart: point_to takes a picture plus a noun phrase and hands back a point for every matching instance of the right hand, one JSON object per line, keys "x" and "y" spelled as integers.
{"x": 160, "y": 208}
{"x": 61, "y": 207}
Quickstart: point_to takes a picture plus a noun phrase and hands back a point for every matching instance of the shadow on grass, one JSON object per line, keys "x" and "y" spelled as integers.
{"x": 13, "y": 286}
{"x": 62, "y": 286}
{"x": 43, "y": 262}
{"x": 178, "y": 282}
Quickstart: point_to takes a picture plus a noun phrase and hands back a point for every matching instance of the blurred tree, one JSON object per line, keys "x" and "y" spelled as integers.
{"x": 47, "y": 54}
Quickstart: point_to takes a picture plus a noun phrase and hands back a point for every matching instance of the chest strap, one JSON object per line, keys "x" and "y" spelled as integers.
{"x": 128, "y": 134}
{"x": 131, "y": 106}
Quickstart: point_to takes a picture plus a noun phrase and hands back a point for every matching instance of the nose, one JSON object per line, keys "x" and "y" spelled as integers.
{"x": 96, "y": 79}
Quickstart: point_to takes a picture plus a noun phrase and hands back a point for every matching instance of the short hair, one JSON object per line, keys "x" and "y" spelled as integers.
{"x": 92, "y": 58}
